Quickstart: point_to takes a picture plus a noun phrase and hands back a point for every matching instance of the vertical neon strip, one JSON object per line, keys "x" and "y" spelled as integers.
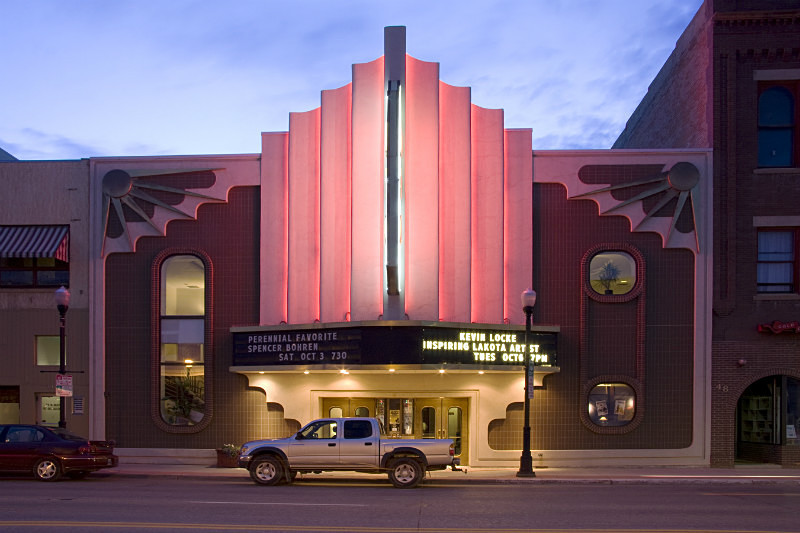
{"x": 394, "y": 188}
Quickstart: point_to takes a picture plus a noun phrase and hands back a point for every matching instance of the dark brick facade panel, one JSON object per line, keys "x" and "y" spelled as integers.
{"x": 564, "y": 230}
{"x": 229, "y": 235}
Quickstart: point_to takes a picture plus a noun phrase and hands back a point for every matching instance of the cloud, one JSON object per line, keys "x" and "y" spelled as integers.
{"x": 190, "y": 76}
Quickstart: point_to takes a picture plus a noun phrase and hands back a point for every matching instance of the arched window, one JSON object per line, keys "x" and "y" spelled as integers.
{"x": 182, "y": 326}
{"x": 776, "y": 123}
{"x": 769, "y": 412}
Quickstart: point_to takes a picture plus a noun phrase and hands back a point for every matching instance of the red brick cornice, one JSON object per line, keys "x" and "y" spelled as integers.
{"x": 758, "y": 18}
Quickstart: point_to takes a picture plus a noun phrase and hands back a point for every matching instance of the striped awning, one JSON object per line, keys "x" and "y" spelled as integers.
{"x": 35, "y": 241}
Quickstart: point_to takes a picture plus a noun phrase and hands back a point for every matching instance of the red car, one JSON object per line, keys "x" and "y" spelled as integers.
{"x": 51, "y": 452}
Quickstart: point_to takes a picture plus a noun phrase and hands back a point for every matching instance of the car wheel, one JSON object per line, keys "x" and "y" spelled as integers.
{"x": 405, "y": 473}
{"x": 266, "y": 470}
{"x": 47, "y": 470}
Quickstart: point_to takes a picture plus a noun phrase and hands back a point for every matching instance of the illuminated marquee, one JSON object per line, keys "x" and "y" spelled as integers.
{"x": 297, "y": 347}
{"x": 413, "y": 344}
{"x": 488, "y": 346}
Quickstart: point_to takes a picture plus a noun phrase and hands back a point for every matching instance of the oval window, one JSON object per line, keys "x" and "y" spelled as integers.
{"x": 612, "y": 272}
{"x": 612, "y": 404}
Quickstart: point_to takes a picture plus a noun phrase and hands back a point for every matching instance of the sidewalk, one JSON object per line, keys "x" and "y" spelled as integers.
{"x": 758, "y": 474}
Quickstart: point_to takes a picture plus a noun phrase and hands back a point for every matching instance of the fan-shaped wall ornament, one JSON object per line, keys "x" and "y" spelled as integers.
{"x": 140, "y": 203}
{"x": 655, "y": 196}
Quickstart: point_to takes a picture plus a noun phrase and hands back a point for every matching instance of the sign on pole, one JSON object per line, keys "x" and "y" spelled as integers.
{"x": 63, "y": 385}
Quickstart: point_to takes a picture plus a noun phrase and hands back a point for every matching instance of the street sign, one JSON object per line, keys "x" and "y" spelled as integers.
{"x": 63, "y": 385}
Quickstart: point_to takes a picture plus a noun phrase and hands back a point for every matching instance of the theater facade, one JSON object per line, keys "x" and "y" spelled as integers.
{"x": 370, "y": 261}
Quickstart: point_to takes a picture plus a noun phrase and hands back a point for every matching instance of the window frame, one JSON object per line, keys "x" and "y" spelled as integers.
{"x": 35, "y": 269}
{"x": 156, "y": 340}
{"x": 597, "y": 418}
{"x": 795, "y": 260}
{"x": 793, "y": 88}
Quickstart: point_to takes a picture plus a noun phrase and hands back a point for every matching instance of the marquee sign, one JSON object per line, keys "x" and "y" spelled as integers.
{"x": 393, "y": 343}
{"x": 298, "y": 347}
{"x": 477, "y": 346}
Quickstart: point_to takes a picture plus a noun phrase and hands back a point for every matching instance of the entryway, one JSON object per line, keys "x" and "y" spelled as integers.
{"x": 411, "y": 417}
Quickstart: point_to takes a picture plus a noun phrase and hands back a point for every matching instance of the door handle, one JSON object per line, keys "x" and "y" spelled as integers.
{"x": 331, "y": 444}
{"x": 367, "y": 444}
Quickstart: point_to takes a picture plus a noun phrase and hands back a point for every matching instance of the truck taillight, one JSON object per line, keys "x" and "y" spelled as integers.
{"x": 452, "y": 449}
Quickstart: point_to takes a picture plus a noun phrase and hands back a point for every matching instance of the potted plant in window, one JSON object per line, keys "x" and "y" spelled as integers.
{"x": 227, "y": 456}
{"x": 609, "y": 274}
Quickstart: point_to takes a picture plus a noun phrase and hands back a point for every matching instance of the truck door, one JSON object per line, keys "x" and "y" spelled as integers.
{"x": 315, "y": 445}
{"x": 358, "y": 445}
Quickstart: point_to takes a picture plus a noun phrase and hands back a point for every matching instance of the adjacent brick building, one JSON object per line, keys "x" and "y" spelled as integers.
{"x": 732, "y": 83}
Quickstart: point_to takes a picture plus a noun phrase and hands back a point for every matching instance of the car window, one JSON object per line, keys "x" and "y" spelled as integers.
{"x": 357, "y": 429}
{"x": 324, "y": 429}
{"x": 24, "y": 434}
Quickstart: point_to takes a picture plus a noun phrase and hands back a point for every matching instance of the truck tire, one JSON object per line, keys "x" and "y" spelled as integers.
{"x": 266, "y": 470}
{"x": 405, "y": 473}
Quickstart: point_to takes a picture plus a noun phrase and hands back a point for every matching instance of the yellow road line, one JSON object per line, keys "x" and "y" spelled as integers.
{"x": 354, "y": 529}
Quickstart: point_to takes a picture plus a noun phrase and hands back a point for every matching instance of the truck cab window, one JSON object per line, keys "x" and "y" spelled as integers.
{"x": 357, "y": 429}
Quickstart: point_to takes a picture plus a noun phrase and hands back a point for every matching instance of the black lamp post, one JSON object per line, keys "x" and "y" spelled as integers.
{"x": 525, "y": 460}
{"x": 62, "y": 303}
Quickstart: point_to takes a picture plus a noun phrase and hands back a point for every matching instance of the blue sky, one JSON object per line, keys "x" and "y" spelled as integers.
{"x": 178, "y": 77}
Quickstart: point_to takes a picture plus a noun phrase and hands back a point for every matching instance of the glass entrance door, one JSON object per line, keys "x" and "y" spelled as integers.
{"x": 444, "y": 418}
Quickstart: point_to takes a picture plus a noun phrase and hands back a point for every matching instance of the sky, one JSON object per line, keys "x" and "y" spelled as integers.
{"x": 96, "y": 78}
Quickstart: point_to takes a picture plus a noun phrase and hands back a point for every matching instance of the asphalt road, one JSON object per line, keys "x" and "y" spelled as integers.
{"x": 114, "y": 504}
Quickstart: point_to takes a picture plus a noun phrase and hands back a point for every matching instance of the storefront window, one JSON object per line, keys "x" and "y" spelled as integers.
{"x": 33, "y": 272}
{"x": 769, "y": 411}
{"x": 612, "y": 272}
{"x": 182, "y": 340}
{"x": 49, "y": 410}
{"x": 612, "y": 404}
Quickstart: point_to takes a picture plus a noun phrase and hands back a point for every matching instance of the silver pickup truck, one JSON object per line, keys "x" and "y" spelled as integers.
{"x": 345, "y": 444}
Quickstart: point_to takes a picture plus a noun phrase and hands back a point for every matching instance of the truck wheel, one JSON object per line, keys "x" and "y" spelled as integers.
{"x": 405, "y": 473}
{"x": 266, "y": 470}
{"x": 47, "y": 470}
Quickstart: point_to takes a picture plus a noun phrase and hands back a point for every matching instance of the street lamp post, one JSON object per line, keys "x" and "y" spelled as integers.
{"x": 62, "y": 303}
{"x": 525, "y": 460}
